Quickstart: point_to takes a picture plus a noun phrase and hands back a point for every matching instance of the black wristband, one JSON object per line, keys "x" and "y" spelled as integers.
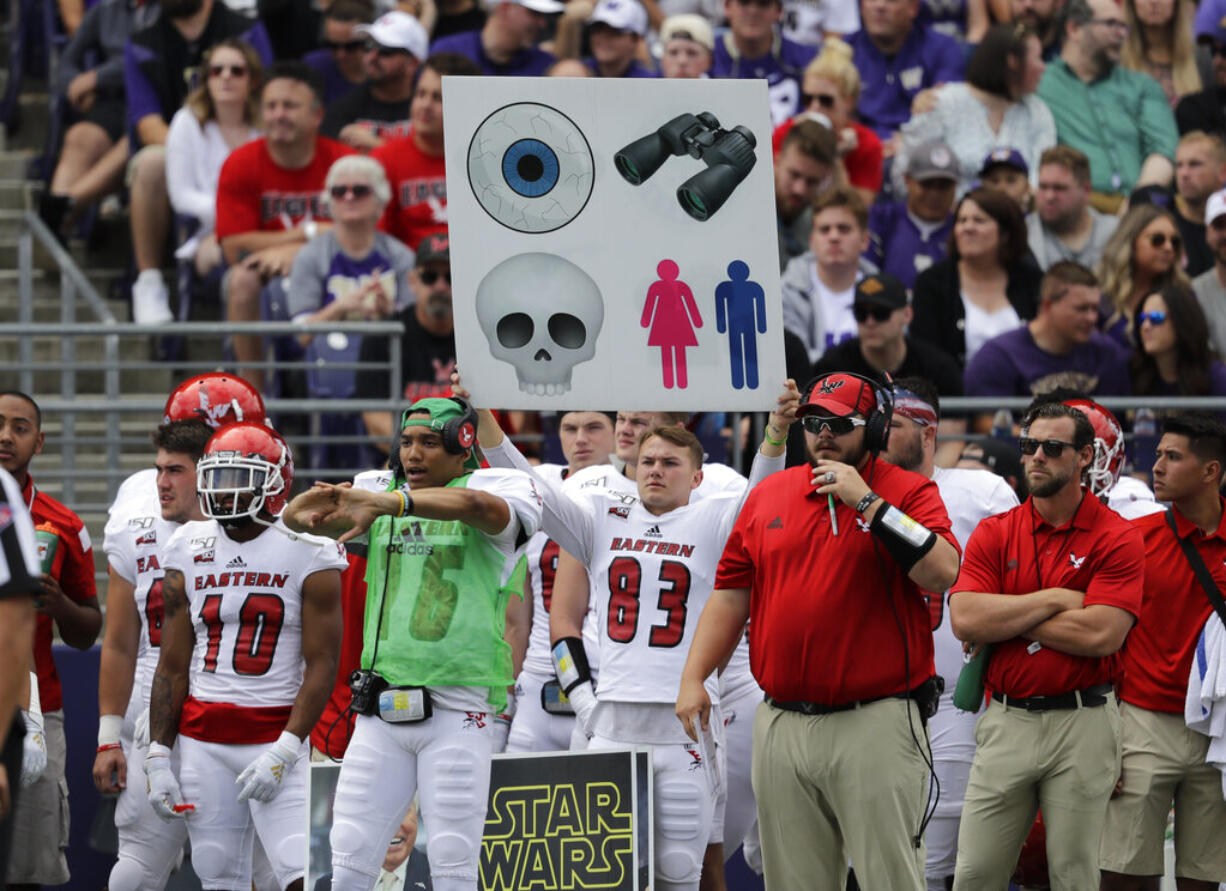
{"x": 570, "y": 663}
{"x": 867, "y": 501}
{"x": 906, "y": 540}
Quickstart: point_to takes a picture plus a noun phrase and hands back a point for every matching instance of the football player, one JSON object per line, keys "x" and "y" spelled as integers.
{"x": 251, "y": 635}
{"x": 652, "y": 558}
{"x": 443, "y": 543}
{"x": 148, "y": 847}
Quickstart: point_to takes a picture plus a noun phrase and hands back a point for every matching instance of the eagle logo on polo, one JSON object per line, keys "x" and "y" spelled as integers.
{"x": 1075, "y": 560}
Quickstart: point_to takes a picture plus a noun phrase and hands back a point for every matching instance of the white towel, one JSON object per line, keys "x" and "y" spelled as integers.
{"x": 1205, "y": 706}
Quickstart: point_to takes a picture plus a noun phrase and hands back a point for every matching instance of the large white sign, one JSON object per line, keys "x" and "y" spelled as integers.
{"x": 613, "y": 243}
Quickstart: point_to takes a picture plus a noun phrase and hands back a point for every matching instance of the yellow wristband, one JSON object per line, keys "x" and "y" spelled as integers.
{"x": 404, "y": 504}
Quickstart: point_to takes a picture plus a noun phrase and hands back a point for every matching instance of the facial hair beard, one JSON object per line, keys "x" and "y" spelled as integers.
{"x": 182, "y": 9}
{"x": 1051, "y": 486}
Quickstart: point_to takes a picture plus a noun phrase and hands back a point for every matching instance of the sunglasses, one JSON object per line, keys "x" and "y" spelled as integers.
{"x": 384, "y": 51}
{"x": 825, "y": 100}
{"x": 347, "y": 46}
{"x": 1158, "y": 239}
{"x": 358, "y": 190}
{"x": 1052, "y": 448}
{"x": 232, "y": 70}
{"x": 837, "y": 426}
{"x": 430, "y": 276}
{"x": 862, "y": 312}
{"x": 1154, "y": 318}
{"x": 1218, "y": 49}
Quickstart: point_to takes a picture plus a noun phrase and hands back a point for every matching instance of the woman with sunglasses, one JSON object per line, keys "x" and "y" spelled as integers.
{"x": 1173, "y": 357}
{"x": 218, "y": 116}
{"x": 830, "y": 88}
{"x": 1143, "y": 256}
{"x": 995, "y": 108}
{"x": 989, "y": 283}
{"x": 351, "y": 271}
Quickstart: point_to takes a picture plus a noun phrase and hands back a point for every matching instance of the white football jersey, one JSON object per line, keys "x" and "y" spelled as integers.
{"x": 246, "y": 607}
{"x": 651, "y": 577}
{"x": 137, "y": 496}
{"x": 133, "y": 546}
{"x": 970, "y": 496}
{"x": 1131, "y": 498}
{"x": 542, "y": 555}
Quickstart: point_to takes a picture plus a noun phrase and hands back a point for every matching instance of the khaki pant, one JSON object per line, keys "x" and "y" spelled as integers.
{"x": 1164, "y": 763}
{"x": 40, "y": 823}
{"x": 830, "y": 788}
{"x": 1065, "y": 762}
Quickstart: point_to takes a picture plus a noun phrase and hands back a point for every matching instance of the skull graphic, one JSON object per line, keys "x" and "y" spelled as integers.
{"x": 542, "y": 314}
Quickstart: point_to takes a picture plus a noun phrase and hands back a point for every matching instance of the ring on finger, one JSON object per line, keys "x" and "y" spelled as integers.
{"x": 830, "y": 476}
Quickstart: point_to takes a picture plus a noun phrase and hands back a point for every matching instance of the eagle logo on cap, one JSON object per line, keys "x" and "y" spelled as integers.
{"x": 829, "y": 386}
{"x": 871, "y": 286}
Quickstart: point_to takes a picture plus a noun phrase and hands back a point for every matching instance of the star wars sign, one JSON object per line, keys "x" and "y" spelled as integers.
{"x": 613, "y": 243}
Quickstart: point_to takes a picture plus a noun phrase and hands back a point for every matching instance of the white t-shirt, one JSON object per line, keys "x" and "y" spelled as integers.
{"x": 970, "y": 496}
{"x": 981, "y": 326}
{"x": 246, "y": 607}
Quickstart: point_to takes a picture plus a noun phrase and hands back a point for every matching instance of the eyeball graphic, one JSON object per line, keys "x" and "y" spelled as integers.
{"x": 530, "y": 167}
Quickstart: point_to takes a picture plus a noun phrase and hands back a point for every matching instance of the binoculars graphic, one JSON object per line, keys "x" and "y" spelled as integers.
{"x": 728, "y": 154}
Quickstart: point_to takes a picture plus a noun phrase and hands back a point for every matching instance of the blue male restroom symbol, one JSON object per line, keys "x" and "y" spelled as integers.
{"x": 740, "y": 311}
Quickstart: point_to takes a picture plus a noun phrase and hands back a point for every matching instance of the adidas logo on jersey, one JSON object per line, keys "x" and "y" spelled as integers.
{"x": 776, "y": 523}
{"x": 236, "y": 563}
{"x": 412, "y": 542}
{"x": 654, "y": 532}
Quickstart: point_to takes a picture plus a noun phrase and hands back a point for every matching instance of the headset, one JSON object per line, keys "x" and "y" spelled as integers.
{"x": 458, "y": 434}
{"x": 877, "y": 424}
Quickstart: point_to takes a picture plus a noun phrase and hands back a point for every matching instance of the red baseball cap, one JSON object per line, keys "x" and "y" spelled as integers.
{"x": 841, "y": 395}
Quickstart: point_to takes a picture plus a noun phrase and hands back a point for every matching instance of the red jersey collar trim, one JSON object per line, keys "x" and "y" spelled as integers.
{"x": 1080, "y": 518}
{"x": 1187, "y": 528}
{"x": 29, "y": 491}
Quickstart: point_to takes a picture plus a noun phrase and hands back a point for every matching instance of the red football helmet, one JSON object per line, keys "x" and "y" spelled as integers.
{"x": 1108, "y": 461}
{"x": 216, "y": 399}
{"x": 244, "y": 459}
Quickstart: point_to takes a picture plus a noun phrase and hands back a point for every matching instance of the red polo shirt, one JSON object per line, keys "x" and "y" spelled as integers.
{"x": 1097, "y": 551}
{"x": 67, "y": 556}
{"x": 1174, "y": 608}
{"x": 822, "y": 608}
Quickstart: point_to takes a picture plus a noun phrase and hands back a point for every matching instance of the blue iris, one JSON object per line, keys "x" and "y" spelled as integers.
{"x": 530, "y": 167}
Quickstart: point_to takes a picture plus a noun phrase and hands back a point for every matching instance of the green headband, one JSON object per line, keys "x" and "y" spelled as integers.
{"x": 441, "y": 410}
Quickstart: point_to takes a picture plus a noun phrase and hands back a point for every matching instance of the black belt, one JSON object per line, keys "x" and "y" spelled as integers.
{"x": 1090, "y": 697}
{"x": 818, "y": 708}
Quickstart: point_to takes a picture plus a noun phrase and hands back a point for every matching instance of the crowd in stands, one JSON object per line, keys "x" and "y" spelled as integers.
{"x": 1035, "y": 175}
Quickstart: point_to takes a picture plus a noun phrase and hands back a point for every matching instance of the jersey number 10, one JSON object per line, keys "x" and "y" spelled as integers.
{"x": 259, "y": 626}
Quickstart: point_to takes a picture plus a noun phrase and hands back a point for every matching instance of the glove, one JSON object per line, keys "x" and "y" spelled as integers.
{"x": 262, "y": 778}
{"x": 163, "y": 788}
{"x": 33, "y": 749}
{"x": 583, "y": 701}
{"x": 140, "y": 731}
{"x": 502, "y": 724}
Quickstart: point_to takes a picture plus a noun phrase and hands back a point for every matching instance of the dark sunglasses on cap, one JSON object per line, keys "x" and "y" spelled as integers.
{"x": 1157, "y": 317}
{"x": 825, "y": 100}
{"x": 1052, "y": 448}
{"x": 1158, "y": 239}
{"x": 232, "y": 70}
{"x": 430, "y": 276}
{"x": 358, "y": 190}
{"x": 862, "y": 312}
{"x": 345, "y": 46}
{"x": 384, "y": 51}
{"x": 837, "y": 426}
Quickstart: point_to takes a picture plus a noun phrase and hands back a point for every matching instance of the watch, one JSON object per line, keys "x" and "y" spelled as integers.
{"x": 866, "y": 502}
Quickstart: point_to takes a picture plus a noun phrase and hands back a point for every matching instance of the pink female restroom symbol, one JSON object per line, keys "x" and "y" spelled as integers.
{"x": 672, "y": 315}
